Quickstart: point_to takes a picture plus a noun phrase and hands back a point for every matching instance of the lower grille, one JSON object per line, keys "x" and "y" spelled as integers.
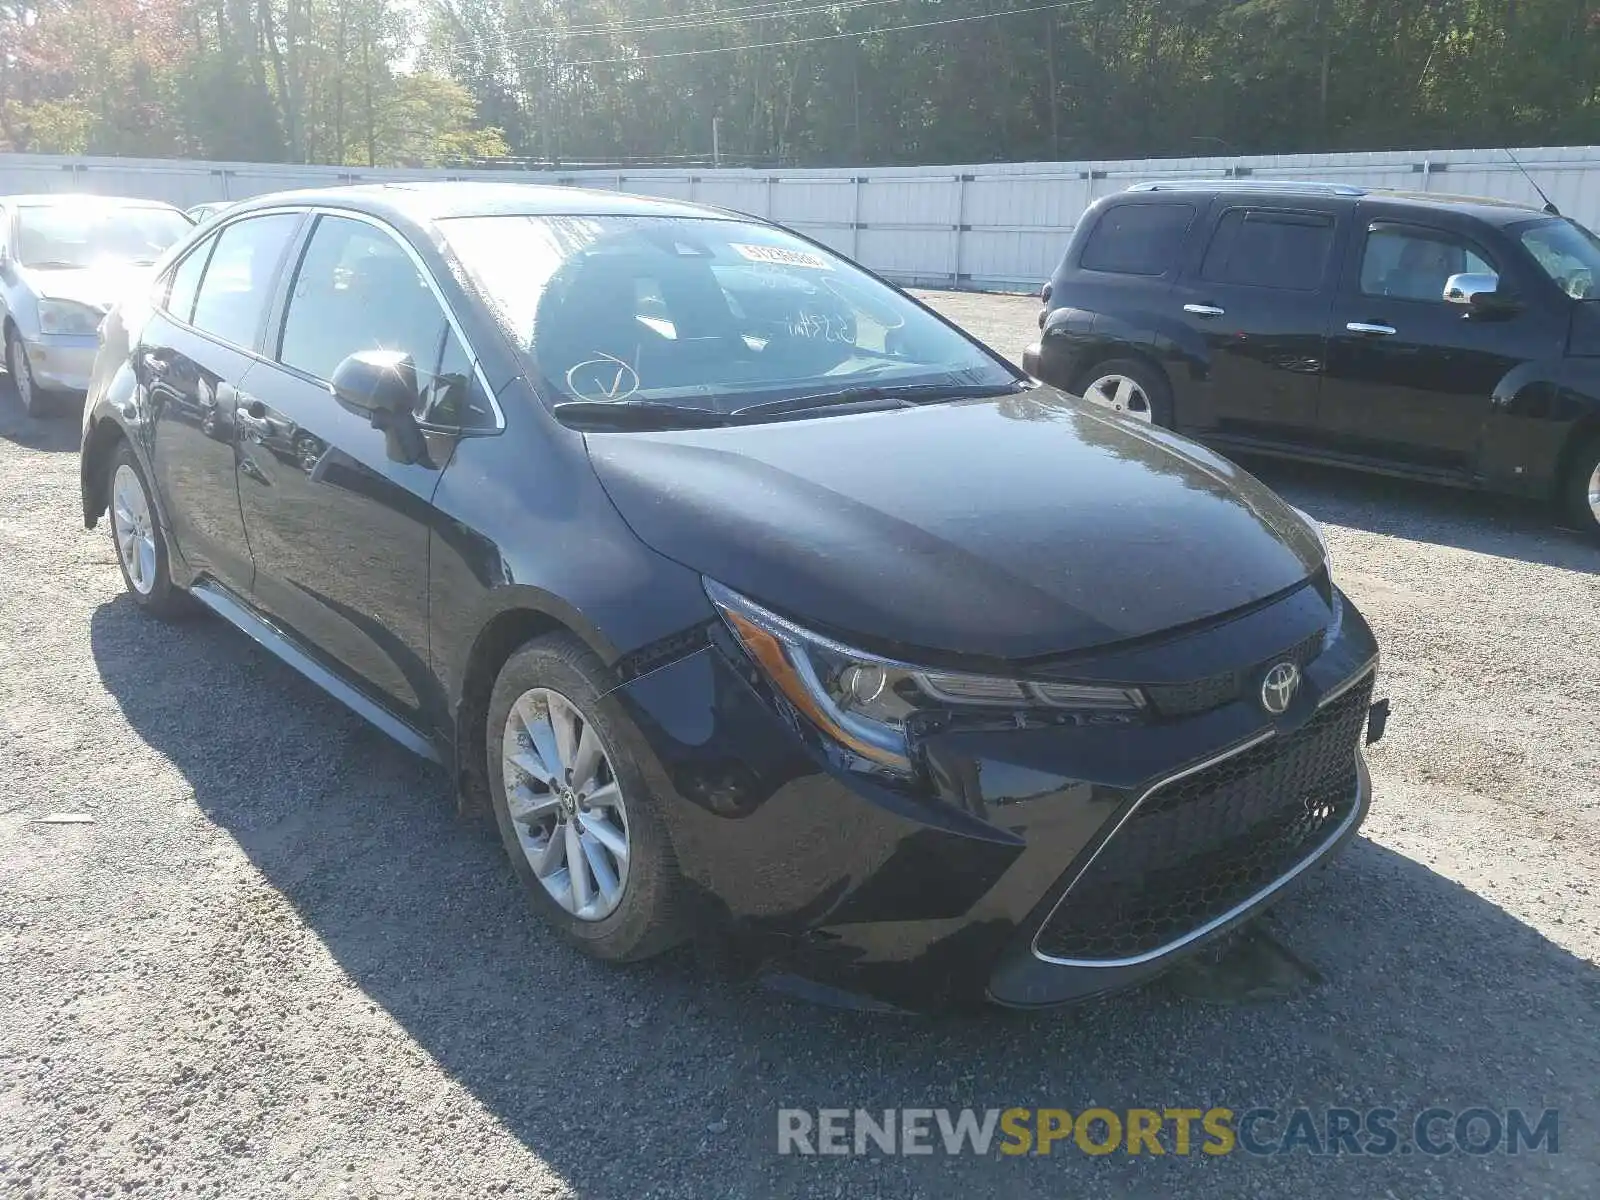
{"x": 1203, "y": 844}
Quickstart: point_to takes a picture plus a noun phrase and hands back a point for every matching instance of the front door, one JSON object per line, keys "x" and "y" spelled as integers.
{"x": 1259, "y": 297}
{"x": 1411, "y": 377}
{"x": 193, "y": 354}
{"x": 337, "y": 513}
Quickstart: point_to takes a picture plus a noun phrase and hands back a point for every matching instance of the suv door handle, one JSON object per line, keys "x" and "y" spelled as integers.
{"x": 1371, "y": 327}
{"x": 1205, "y": 310}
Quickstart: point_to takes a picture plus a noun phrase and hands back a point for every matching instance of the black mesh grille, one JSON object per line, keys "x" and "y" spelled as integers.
{"x": 1205, "y": 843}
{"x": 1201, "y": 695}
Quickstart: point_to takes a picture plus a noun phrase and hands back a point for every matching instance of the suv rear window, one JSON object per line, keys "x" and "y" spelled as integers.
{"x": 1269, "y": 249}
{"x": 1137, "y": 239}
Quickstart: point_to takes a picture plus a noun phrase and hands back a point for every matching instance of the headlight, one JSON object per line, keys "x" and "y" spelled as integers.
{"x": 66, "y": 316}
{"x": 864, "y": 703}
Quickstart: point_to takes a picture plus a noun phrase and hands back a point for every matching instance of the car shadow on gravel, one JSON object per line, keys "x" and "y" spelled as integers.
{"x": 1505, "y": 526}
{"x": 58, "y": 432}
{"x": 624, "y": 1079}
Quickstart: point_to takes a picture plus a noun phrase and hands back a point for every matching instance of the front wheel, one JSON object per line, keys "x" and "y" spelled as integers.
{"x": 1130, "y": 387}
{"x": 34, "y": 401}
{"x": 1581, "y": 488}
{"x": 136, "y": 533}
{"x": 573, "y": 806}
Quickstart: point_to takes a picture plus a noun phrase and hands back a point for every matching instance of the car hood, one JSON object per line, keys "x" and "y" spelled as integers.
{"x": 99, "y": 287}
{"x": 1011, "y": 528}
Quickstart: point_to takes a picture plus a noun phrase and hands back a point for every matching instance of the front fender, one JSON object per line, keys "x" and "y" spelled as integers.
{"x": 1536, "y": 411}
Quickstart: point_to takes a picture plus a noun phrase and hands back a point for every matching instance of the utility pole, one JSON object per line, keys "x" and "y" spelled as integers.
{"x": 716, "y": 141}
{"x": 1050, "y": 67}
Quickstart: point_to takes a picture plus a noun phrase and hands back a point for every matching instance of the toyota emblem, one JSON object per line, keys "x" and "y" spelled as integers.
{"x": 1279, "y": 687}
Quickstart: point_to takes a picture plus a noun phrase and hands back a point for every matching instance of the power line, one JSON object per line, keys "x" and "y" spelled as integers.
{"x": 826, "y": 37}
{"x": 711, "y": 18}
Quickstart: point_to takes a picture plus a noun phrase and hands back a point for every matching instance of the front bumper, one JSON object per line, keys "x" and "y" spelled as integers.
{"x": 934, "y": 896}
{"x": 62, "y": 362}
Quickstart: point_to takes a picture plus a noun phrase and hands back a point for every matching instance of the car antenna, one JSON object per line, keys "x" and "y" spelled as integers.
{"x": 1548, "y": 207}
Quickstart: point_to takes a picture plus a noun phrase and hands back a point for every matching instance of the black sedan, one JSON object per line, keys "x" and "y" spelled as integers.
{"x": 755, "y": 600}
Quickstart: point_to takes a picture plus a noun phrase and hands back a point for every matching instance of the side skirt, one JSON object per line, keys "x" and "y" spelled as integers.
{"x": 276, "y": 642}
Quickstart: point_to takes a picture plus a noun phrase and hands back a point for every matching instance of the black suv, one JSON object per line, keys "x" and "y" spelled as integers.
{"x": 1441, "y": 337}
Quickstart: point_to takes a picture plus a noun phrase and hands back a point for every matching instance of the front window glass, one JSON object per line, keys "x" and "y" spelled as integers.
{"x": 1415, "y": 264}
{"x": 357, "y": 289}
{"x": 1568, "y": 253}
{"x": 701, "y": 313}
{"x": 72, "y": 236}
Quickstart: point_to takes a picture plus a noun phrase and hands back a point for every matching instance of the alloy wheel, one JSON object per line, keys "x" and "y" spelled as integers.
{"x": 134, "y": 529}
{"x": 565, "y": 803}
{"x": 1122, "y": 394}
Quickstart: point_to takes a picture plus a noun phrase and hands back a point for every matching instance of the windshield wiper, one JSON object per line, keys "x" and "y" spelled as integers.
{"x": 638, "y": 414}
{"x": 879, "y": 395}
{"x": 48, "y": 264}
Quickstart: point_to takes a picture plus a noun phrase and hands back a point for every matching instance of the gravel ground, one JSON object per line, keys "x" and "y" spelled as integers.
{"x": 276, "y": 964}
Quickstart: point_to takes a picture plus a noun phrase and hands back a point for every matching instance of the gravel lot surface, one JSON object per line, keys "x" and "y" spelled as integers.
{"x": 277, "y": 964}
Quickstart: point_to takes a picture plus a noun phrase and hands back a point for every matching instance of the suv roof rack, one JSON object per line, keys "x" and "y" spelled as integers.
{"x": 1304, "y": 186}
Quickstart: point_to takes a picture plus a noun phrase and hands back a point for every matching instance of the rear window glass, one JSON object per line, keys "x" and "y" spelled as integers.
{"x": 1137, "y": 239}
{"x": 1268, "y": 249}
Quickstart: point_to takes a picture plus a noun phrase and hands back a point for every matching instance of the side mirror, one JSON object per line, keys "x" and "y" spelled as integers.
{"x": 377, "y": 384}
{"x": 381, "y": 385}
{"x": 1477, "y": 291}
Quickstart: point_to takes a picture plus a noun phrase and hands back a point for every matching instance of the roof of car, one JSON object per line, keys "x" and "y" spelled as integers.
{"x": 1486, "y": 208}
{"x": 37, "y": 198}
{"x": 436, "y": 199}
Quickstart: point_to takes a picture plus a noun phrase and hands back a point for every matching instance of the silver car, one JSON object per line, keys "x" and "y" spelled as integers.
{"x": 64, "y": 260}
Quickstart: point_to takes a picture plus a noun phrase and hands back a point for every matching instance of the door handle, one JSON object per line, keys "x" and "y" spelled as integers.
{"x": 251, "y": 417}
{"x": 1372, "y": 327}
{"x": 1205, "y": 310}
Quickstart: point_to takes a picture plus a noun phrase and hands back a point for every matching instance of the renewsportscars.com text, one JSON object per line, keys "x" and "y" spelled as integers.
{"x": 1177, "y": 1131}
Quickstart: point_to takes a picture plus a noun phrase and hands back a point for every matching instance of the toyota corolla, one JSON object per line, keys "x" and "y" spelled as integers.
{"x": 752, "y": 598}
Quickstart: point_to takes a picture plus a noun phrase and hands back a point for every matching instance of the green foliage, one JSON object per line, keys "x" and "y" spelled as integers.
{"x": 430, "y": 82}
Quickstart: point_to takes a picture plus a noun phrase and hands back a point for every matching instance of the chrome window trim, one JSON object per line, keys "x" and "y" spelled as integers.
{"x": 1363, "y": 785}
{"x": 218, "y": 226}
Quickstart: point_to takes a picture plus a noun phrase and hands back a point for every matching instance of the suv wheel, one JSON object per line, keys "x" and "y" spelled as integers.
{"x": 1130, "y": 387}
{"x": 1581, "y": 488}
{"x": 573, "y": 807}
{"x": 141, "y": 549}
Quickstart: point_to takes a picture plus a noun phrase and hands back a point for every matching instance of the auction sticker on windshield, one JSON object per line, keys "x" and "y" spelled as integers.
{"x": 781, "y": 256}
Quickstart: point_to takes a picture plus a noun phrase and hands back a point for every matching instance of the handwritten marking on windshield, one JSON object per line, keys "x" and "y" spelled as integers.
{"x": 604, "y": 378}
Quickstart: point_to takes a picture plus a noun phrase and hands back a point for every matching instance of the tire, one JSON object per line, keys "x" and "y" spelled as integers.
{"x": 1580, "y": 490}
{"x": 34, "y": 400}
{"x": 136, "y": 536}
{"x": 1137, "y": 390}
{"x": 643, "y": 918}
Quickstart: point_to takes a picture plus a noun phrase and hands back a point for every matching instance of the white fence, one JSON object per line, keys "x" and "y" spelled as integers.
{"x": 1000, "y": 226}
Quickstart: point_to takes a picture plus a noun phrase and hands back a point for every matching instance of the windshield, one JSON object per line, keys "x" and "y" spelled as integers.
{"x": 698, "y": 313}
{"x": 89, "y": 235}
{"x": 1568, "y": 253}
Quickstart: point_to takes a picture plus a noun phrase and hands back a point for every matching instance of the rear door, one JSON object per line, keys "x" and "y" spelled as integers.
{"x": 1411, "y": 376}
{"x": 192, "y": 356}
{"x": 1259, "y": 297}
{"x": 337, "y": 512}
